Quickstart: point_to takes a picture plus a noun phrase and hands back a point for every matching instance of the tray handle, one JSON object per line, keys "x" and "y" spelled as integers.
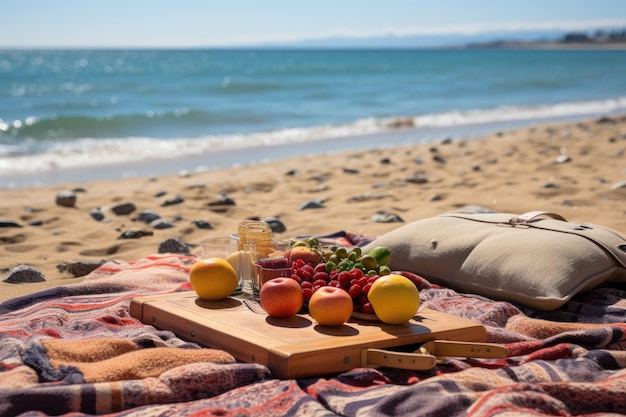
{"x": 426, "y": 356}
{"x": 399, "y": 360}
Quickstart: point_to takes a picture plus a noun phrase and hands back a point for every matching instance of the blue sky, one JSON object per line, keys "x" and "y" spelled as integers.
{"x": 193, "y": 23}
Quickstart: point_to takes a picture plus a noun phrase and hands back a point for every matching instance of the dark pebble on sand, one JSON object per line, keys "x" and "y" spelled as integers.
{"x": 312, "y": 204}
{"x": 148, "y": 216}
{"x": 176, "y": 200}
{"x": 80, "y": 268}
{"x": 440, "y": 159}
{"x": 9, "y": 223}
{"x": 173, "y": 245}
{"x": 96, "y": 214}
{"x": 66, "y": 199}
{"x": 222, "y": 200}
{"x": 202, "y": 224}
{"x": 221, "y": 204}
{"x": 23, "y": 273}
{"x": 276, "y": 225}
{"x": 384, "y": 216}
{"x": 417, "y": 178}
{"x": 122, "y": 209}
{"x": 161, "y": 224}
{"x": 351, "y": 171}
{"x": 135, "y": 234}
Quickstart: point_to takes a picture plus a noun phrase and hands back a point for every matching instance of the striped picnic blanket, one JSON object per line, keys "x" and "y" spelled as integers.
{"x": 76, "y": 350}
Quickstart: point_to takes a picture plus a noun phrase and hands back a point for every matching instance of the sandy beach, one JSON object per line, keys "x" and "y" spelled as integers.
{"x": 575, "y": 169}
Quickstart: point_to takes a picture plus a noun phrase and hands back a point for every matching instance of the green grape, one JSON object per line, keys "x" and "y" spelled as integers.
{"x": 341, "y": 252}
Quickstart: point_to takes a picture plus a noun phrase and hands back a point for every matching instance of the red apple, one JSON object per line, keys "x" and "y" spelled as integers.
{"x": 330, "y": 306}
{"x": 281, "y": 297}
{"x": 308, "y": 255}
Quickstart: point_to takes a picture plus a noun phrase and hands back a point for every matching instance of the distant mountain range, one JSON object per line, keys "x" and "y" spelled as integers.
{"x": 487, "y": 39}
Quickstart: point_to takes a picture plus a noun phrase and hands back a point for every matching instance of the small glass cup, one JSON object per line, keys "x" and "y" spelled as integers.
{"x": 225, "y": 248}
{"x": 268, "y": 261}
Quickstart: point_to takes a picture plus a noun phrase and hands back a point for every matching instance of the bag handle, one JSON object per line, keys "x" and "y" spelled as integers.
{"x": 531, "y": 215}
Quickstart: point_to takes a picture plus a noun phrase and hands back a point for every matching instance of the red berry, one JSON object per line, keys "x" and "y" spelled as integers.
{"x": 321, "y": 267}
{"x": 334, "y": 283}
{"x": 372, "y": 279}
{"x": 366, "y": 288}
{"x": 319, "y": 283}
{"x": 321, "y": 275}
{"x": 306, "y": 284}
{"x": 306, "y": 272}
{"x": 307, "y": 293}
{"x": 296, "y": 278}
{"x": 344, "y": 279}
{"x": 362, "y": 300}
{"x": 356, "y": 273}
{"x": 354, "y": 291}
{"x": 367, "y": 308}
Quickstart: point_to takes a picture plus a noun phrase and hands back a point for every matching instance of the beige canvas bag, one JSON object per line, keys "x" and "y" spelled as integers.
{"x": 538, "y": 259}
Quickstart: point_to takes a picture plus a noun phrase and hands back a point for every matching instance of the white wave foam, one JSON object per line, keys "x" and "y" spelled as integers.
{"x": 511, "y": 113}
{"x": 98, "y": 152}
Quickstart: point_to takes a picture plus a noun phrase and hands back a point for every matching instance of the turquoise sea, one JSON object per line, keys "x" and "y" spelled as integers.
{"x": 87, "y": 114}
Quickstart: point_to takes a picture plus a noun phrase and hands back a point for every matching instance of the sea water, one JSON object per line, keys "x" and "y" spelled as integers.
{"x": 87, "y": 114}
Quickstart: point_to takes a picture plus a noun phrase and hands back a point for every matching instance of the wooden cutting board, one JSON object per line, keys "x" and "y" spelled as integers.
{"x": 296, "y": 347}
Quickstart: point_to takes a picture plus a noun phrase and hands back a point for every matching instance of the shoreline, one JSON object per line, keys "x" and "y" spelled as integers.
{"x": 401, "y": 135}
{"x": 512, "y": 171}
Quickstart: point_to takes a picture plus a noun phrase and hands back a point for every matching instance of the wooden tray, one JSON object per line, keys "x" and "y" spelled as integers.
{"x": 296, "y": 347}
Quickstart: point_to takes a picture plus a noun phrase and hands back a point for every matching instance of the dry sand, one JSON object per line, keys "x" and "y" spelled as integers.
{"x": 511, "y": 172}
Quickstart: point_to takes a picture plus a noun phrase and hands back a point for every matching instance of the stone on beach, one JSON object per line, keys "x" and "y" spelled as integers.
{"x": 384, "y": 216}
{"x": 22, "y": 274}
{"x": 148, "y": 216}
{"x": 97, "y": 214}
{"x": 122, "y": 209}
{"x": 9, "y": 223}
{"x": 80, "y": 268}
{"x": 135, "y": 234}
{"x": 66, "y": 199}
{"x": 276, "y": 225}
{"x": 312, "y": 204}
{"x": 202, "y": 224}
{"x": 174, "y": 245}
{"x": 161, "y": 224}
{"x": 175, "y": 200}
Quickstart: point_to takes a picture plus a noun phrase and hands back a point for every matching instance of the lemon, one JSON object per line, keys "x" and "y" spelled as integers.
{"x": 234, "y": 259}
{"x": 395, "y": 299}
{"x": 213, "y": 278}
